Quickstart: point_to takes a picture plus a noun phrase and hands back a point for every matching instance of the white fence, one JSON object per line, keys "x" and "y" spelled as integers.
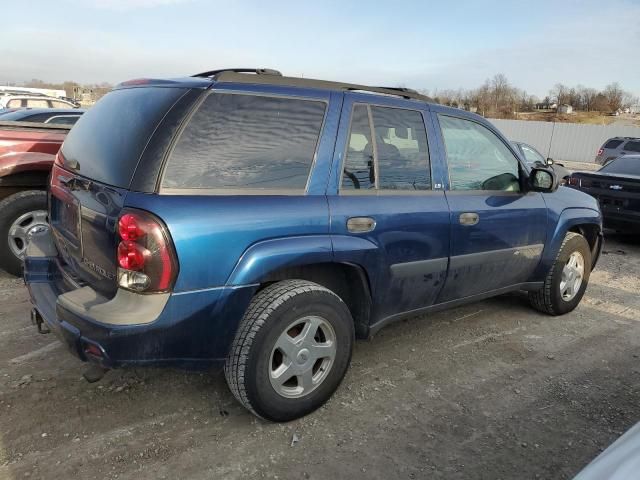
{"x": 564, "y": 141}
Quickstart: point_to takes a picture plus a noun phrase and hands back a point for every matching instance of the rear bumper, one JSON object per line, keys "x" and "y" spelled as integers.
{"x": 187, "y": 329}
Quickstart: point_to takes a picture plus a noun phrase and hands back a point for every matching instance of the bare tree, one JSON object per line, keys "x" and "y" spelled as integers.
{"x": 614, "y": 95}
{"x": 559, "y": 93}
{"x": 628, "y": 99}
{"x": 499, "y": 90}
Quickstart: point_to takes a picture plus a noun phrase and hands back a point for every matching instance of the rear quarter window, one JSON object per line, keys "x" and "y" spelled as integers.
{"x": 248, "y": 142}
{"x": 108, "y": 140}
{"x": 613, "y": 144}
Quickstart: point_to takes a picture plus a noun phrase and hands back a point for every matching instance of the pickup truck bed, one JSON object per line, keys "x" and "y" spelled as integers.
{"x": 27, "y": 154}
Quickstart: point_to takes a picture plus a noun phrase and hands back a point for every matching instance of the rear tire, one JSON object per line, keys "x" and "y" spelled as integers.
{"x": 291, "y": 351}
{"x": 20, "y": 213}
{"x": 567, "y": 279}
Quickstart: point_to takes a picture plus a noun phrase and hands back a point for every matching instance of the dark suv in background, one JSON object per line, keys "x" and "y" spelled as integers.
{"x": 616, "y": 146}
{"x": 262, "y": 223}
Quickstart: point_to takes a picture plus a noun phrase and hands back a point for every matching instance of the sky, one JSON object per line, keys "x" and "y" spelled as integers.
{"x": 429, "y": 45}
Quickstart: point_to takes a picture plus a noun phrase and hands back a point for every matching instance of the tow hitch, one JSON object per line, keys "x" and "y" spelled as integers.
{"x": 38, "y": 321}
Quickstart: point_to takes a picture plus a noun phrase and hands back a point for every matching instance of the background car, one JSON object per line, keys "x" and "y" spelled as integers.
{"x": 621, "y": 461}
{"x": 617, "y": 187}
{"x": 535, "y": 159}
{"x": 33, "y": 101}
{"x": 60, "y": 116}
{"x": 617, "y": 146}
{"x": 27, "y": 153}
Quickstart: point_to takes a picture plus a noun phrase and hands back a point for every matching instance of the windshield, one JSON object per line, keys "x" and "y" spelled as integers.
{"x": 623, "y": 166}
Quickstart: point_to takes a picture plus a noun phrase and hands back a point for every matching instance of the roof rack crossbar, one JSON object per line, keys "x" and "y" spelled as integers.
{"x": 257, "y": 71}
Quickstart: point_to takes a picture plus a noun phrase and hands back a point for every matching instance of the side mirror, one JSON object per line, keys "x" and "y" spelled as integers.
{"x": 543, "y": 180}
{"x": 550, "y": 161}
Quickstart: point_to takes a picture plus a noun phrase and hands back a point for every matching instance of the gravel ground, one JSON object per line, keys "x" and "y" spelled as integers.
{"x": 492, "y": 390}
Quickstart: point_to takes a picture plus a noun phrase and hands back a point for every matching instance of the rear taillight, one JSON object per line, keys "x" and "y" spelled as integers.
{"x": 600, "y": 152}
{"x": 146, "y": 258}
{"x": 573, "y": 181}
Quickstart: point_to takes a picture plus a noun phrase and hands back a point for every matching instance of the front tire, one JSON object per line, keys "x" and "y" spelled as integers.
{"x": 20, "y": 214}
{"x": 291, "y": 351}
{"x": 567, "y": 279}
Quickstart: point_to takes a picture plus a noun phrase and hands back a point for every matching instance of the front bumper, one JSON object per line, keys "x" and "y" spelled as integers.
{"x": 623, "y": 220}
{"x": 188, "y": 329}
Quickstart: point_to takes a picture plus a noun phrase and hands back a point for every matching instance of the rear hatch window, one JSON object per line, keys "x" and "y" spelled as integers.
{"x": 108, "y": 140}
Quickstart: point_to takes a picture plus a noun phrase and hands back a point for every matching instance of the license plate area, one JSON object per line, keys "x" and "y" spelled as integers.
{"x": 65, "y": 213}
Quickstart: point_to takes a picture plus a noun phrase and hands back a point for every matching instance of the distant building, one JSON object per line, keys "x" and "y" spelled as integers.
{"x": 635, "y": 109}
{"x": 564, "y": 108}
{"x": 546, "y": 105}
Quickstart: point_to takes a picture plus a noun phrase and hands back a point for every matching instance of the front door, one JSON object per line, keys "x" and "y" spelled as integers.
{"x": 498, "y": 229}
{"x": 386, "y": 198}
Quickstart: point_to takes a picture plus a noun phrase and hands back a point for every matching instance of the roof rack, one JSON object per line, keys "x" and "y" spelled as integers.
{"x": 402, "y": 89}
{"x": 257, "y": 71}
{"x": 273, "y": 77}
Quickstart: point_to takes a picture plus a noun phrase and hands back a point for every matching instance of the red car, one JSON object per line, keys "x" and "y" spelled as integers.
{"x": 27, "y": 152}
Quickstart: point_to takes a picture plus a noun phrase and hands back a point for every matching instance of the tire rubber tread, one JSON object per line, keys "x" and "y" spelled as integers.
{"x": 262, "y": 306}
{"x": 541, "y": 299}
{"x": 9, "y": 211}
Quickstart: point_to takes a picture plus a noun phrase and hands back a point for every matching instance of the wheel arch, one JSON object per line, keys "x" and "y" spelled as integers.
{"x": 586, "y": 222}
{"x": 316, "y": 258}
{"x": 23, "y": 181}
{"x": 349, "y": 281}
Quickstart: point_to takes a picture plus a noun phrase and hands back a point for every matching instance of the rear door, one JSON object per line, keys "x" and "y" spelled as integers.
{"x": 387, "y": 195}
{"x": 498, "y": 229}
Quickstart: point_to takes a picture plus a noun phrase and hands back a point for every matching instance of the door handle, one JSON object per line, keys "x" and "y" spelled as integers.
{"x": 469, "y": 218}
{"x": 360, "y": 224}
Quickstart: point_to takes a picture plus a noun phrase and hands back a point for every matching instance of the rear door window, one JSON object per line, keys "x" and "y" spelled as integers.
{"x": 632, "y": 146}
{"x": 401, "y": 143}
{"x": 33, "y": 103}
{"x": 387, "y": 150}
{"x": 359, "y": 168}
{"x": 247, "y": 142}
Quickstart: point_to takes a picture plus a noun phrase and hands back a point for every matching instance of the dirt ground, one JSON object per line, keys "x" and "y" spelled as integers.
{"x": 492, "y": 390}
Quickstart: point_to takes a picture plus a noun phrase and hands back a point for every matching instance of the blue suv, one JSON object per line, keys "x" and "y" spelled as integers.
{"x": 258, "y": 222}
